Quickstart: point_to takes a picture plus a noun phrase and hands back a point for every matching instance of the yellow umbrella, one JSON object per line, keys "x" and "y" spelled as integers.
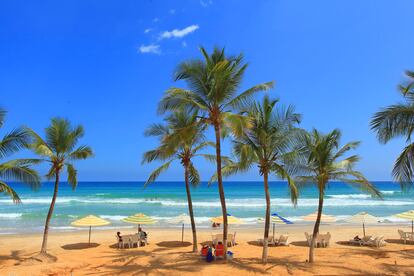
{"x": 90, "y": 221}
{"x": 324, "y": 218}
{"x": 363, "y": 217}
{"x": 276, "y": 219}
{"x": 409, "y": 215}
{"x": 230, "y": 219}
{"x": 139, "y": 219}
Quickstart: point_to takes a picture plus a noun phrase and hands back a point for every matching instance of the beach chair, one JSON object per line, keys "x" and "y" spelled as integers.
{"x": 233, "y": 240}
{"x": 133, "y": 240}
{"x": 283, "y": 240}
{"x": 362, "y": 241}
{"x": 403, "y": 235}
{"x": 216, "y": 239}
{"x": 377, "y": 242}
{"x": 219, "y": 251}
{"x": 203, "y": 253}
{"x": 308, "y": 238}
{"x": 270, "y": 241}
{"x": 230, "y": 240}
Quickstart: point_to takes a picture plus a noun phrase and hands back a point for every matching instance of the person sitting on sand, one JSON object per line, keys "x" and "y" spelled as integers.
{"x": 119, "y": 236}
{"x": 215, "y": 225}
{"x": 357, "y": 238}
{"x": 142, "y": 233}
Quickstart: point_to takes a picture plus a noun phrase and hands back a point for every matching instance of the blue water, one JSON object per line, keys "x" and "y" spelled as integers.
{"x": 115, "y": 200}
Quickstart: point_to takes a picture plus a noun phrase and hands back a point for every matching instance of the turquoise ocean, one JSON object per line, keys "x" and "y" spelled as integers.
{"x": 163, "y": 200}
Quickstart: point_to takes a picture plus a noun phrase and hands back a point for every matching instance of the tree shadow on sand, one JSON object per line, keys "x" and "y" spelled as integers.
{"x": 173, "y": 244}
{"x": 300, "y": 243}
{"x": 80, "y": 246}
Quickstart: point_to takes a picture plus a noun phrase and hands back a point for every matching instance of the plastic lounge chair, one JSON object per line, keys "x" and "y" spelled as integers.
{"x": 403, "y": 235}
{"x": 217, "y": 238}
{"x": 308, "y": 238}
{"x": 283, "y": 240}
{"x": 203, "y": 252}
{"x": 233, "y": 240}
{"x": 270, "y": 241}
{"x": 377, "y": 242}
{"x": 219, "y": 252}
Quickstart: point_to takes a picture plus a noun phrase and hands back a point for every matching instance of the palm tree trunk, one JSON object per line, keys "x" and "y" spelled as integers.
{"x": 220, "y": 186}
{"x": 49, "y": 215}
{"x": 190, "y": 209}
{"x": 267, "y": 218}
{"x": 316, "y": 227}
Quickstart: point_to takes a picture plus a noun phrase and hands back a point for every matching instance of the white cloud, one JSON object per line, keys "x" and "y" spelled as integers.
{"x": 172, "y": 11}
{"x": 206, "y": 3}
{"x": 147, "y": 30}
{"x": 179, "y": 33}
{"x": 155, "y": 20}
{"x": 150, "y": 49}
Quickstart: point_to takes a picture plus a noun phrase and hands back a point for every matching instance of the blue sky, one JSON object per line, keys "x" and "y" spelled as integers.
{"x": 105, "y": 65}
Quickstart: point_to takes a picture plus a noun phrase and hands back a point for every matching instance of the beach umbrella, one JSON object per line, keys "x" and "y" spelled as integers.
{"x": 324, "y": 218}
{"x": 139, "y": 219}
{"x": 230, "y": 219}
{"x": 90, "y": 221}
{"x": 409, "y": 215}
{"x": 276, "y": 219}
{"x": 363, "y": 217}
{"x": 181, "y": 219}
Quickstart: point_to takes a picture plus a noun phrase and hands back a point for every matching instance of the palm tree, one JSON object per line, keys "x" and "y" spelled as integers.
{"x": 181, "y": 140}
{"x": 17, "y": 169}
{"x": 398, "y": 121}
{"x": 213, "y": 84}
{"x": 320, "y": 162}
{"x": 59, "y": 149}
{"x": 269, "y": 144}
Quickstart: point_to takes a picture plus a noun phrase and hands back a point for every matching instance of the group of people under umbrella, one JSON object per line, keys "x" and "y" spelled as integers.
{"x": 142, "y": 219}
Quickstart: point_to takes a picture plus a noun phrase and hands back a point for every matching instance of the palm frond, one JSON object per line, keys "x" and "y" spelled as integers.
{"x": 6, "y": 189}
{"x": 72, "y": 175}
{"x": 394, "y": 121}
{"x": 82, "y": 152}
{"x": 20, "y": 170}
{"x": 154, "y": 175}
{"x": 403, "y": 167}
{"x": 194, "y": 176}
{"x": 14, "y": 141}
{"x": 245, "y": 98}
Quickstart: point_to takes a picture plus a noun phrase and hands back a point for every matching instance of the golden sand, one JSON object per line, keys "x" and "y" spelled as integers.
{"x": 166, "y": 255}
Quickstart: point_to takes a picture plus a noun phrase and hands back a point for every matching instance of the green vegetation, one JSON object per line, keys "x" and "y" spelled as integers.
{"x": 320, "y": 162}
{"x": 398, "y": 121}
{"x": 59, "y": 149}
{"x": 17, "y": 169}
{"x": 213, "y": 85}
{"x": 181, "y": 139}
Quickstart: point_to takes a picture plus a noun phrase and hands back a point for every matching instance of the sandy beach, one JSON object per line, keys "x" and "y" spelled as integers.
{"x": 166, "y": 255}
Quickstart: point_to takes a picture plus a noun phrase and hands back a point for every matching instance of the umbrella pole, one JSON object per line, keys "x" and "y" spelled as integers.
{"x": 89, "y": 242}
{"x": 182, "y": 234}
{"x": 273, "y": 231}
{"x": 363, "y": 227}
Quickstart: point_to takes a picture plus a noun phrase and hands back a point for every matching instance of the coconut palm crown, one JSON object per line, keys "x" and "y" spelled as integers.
{"x": 181, "y": 139}
{"x": 16, "y": 169}
{"x": 398, "y": 121}
{"x": 59, "y": 149}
